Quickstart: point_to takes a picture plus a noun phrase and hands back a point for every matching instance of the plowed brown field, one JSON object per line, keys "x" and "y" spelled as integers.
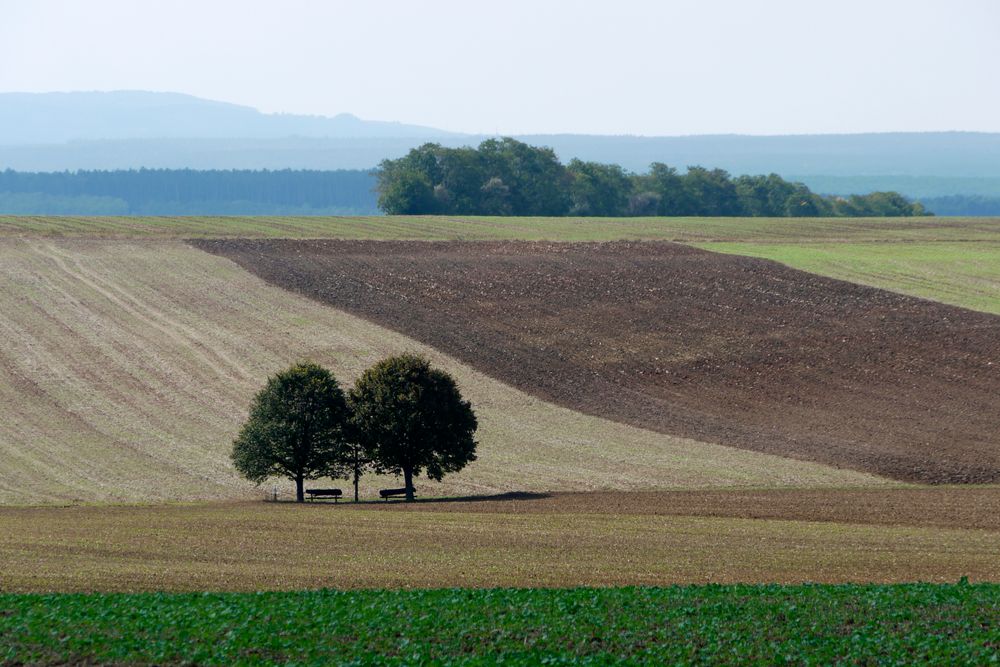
{"x": 719, "y": 348}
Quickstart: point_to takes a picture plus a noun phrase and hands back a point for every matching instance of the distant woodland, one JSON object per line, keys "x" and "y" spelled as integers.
{"x": 509, "y": 177}
{"x": 188, "y": 192}
{"x": 500, "y": 177}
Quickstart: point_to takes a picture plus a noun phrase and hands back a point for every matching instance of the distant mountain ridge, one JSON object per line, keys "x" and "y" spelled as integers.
{"x": 47, "y": 132}
{"x": 54, "y": 118}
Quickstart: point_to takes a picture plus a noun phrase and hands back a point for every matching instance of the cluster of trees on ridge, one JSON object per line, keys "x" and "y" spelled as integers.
{"x": 401, "y": 417}
{"x": 509, "y": 177}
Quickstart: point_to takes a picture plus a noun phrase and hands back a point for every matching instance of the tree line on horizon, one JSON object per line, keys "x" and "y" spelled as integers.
{"x": 509, "y": 177}
{"x": 352, "y": 192}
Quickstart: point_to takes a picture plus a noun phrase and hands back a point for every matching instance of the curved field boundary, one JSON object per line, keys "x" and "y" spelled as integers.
{"x": 126, "y": 368}
{"x": 713, "y": 347}
{"x": 952, "y": 260}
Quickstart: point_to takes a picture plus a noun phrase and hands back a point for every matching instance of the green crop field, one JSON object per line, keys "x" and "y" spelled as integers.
{"x": 963, "y": 274}
{"x": 812, "y": 624}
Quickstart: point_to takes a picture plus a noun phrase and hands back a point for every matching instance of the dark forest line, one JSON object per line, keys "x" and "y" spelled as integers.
{"x": 189, "y": 192}
{"x": 324, "y": 192}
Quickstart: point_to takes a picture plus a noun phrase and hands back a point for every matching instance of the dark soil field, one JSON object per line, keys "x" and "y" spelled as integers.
{"x": 718, "y": 348}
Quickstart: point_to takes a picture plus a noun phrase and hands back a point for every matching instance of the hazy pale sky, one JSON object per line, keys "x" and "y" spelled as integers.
{"x": 513, "y": 67}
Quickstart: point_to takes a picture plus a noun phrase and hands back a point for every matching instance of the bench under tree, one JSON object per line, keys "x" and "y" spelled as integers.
{"x": 336, "y": 494}
{"x": 392, "y": 493}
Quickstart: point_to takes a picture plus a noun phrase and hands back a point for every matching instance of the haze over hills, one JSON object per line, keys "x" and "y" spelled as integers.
{"x": 53, "y": 118}
{"x": 47, "y": 132}
{"x": 124, "y": 129}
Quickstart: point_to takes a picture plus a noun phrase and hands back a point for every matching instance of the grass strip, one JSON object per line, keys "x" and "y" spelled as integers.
{"x": 471, "y": 228}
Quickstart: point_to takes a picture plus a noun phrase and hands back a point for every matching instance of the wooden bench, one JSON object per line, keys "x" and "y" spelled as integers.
{"x": 336, "y": 494}
{"x": 392, "y": 493}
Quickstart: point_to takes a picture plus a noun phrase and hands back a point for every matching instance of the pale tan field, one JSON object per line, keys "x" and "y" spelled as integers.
{"x": 126, "y": 368}
{"x": 264, "y": 546}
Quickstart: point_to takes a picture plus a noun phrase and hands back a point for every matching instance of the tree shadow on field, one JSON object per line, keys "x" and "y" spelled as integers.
{"x": 510, "y": 495}
{"x": 349, "y": 502}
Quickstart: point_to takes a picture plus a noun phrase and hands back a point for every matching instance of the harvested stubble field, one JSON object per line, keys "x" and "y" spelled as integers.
{"x": 126, "y": 368}
{"x": 572, "y": 540}
{"x": 711, "y": 347}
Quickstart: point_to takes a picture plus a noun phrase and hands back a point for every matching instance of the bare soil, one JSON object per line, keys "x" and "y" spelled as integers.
{"x": 718, "y": 348}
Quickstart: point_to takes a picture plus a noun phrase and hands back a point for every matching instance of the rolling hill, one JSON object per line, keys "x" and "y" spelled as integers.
{"x": 718, "y": 348}
{"x": 128, "y": 357}
{"x": 56, "y": 118}
{"x": 126, "y": 368}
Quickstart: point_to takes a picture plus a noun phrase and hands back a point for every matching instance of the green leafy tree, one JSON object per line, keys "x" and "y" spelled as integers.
{"x": 805, "y": 204}
{"x": 461, "y": 177}
{"x": 409, "y": 193}
{"x": 412, "y": 418}
{"x": 712, "y": 191}
{"x": 764, "y": 196}
{"x": 297, "y": 429}
{"x": 643, "y": 203}
{"x": 406, "y": 186}
{"x": 668, "y": 185}
{"x": 495, "y": 199}
{"x": 538, "y": 183}
{"x": 598, "y": 189}
{"x": 890, "y": 204}
{"x": 509, "y": 177}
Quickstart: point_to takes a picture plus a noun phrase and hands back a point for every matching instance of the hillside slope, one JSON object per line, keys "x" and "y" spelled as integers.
{"x": 126, "y": 368}
{"x": 54, "y": 118}
{"x": 714, "y": 347}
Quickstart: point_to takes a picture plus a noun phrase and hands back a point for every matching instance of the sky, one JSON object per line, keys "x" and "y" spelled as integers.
{"x": 539, "y": 66}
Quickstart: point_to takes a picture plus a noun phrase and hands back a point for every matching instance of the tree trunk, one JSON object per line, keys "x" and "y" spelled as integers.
{"x": 408, "y": 477}
{"x": 300, "y": 496}
{"x": 357, "y": 476}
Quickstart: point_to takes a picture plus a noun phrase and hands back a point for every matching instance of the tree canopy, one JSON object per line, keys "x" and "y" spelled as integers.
{"x": 297, "y": 429}
{"x": 411, "y": 418}
{"x": 509, "y": 177}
